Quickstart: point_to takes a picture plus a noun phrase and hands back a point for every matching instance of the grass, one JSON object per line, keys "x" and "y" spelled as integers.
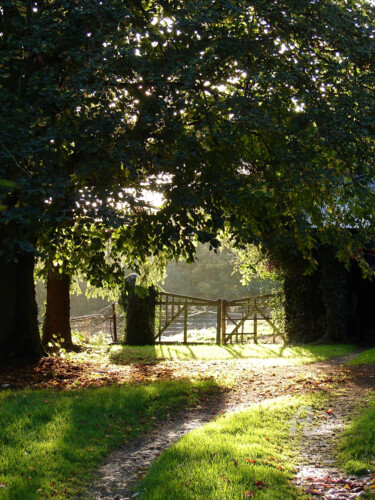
{"x": 51, "y": 441}
{"x": 236, "y": 456}
{"x": 357, "y": 444}
{"x": 256, "y": 352}
{"x": 366, "y": 357}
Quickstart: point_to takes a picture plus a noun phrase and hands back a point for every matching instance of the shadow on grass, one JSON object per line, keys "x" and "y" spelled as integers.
{"x": 247, "y": 454}
{"x": 127, "y": 355}
{"x": 50, "y": 441}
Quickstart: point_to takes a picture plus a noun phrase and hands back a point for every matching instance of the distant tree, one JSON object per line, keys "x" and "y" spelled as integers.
{"x": 212, "y": 275}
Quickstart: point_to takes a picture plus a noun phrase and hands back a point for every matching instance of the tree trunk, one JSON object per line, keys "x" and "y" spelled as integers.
{"x": 19, "y": 331}
{"x": 56, "y": 324}
{"x": 139, "y": 309}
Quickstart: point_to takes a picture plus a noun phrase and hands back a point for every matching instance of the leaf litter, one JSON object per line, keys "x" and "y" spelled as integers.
{"x": 247, "y": 385}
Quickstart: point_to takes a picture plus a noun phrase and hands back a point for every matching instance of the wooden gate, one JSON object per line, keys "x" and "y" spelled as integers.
{"x": 234, "y": 320}
{"x": 171, "y": 306}
{"x": 240, "y": 318}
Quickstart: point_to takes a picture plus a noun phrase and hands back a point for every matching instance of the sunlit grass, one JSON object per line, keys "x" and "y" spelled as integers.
{"x": 357, "y": 444}
{"x": 51, "y": 441}
{"x": 236, "y": 456}
{"x": 277, "y": 353}
{"x": 366, "y": 357}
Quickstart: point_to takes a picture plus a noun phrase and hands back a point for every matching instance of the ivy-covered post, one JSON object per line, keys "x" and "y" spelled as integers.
{"x": 139, "y": 306}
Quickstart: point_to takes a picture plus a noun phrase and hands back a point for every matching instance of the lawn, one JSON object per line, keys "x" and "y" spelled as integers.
{"x": 258, "y": 353}
{"x": 366, "y": 357}
{"x": 237, "y": 456}
{"x": 51, "y": 441}
{"x": 357, "y": 444}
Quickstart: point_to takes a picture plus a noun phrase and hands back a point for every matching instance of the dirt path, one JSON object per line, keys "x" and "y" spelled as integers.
{"x": 118, "y": 476}
{"x": 317, "y": 474}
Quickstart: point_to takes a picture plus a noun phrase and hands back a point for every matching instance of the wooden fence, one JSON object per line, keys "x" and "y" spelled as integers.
{"x": 231, "y": 319}
{"x": 235, "y": 316}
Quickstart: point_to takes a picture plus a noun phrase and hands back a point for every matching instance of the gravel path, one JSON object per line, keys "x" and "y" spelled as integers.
{"x": 317, "y": 474}
{"x": 124, "y": 467}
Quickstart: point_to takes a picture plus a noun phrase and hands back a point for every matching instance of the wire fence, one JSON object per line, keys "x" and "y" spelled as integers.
{"x": 183, "y": 319}
{"x": 104, "y": 325}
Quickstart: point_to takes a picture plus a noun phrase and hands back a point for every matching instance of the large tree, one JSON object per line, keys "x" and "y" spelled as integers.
{"x": 67, "y": 80}
{"x": 252, "y": 116}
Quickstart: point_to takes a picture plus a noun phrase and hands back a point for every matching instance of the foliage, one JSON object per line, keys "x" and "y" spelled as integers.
{"x": 317, "y": 306}
{"x": 50, "y": 441}
{"x": 253, "y": 262}
{"x": 269, "y": 130}
{"x": 212, "y": 275}
{"x": 253, "y": 118}
{"x": 61, "y": 135}
{"x": 246, "y": 454}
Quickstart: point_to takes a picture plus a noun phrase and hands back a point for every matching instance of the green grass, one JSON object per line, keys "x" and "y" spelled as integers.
{"x": 366, "y": 357}
{"x": 234, "y": 457}
{"x": 51, "y": 441}
{"x": 357, "y": 444}
{"x": 274, "y": 352}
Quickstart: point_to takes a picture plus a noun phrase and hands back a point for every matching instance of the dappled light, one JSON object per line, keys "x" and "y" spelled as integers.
{"x": 256, "y": 353}
{"x": 206, "y": 171}
{"x": 74, "y": 430}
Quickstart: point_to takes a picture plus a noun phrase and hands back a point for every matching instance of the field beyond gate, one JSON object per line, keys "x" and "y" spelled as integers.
{"x": 182, "y": 318}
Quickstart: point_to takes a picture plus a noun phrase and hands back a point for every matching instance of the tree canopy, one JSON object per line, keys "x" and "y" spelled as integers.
{"x": 262, "y": 115}
{"x": 250, "y": 117}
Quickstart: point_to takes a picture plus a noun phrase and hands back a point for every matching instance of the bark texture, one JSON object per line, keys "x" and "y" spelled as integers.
{"x": 19, "y": 331}
{"x": 57, "y": 316}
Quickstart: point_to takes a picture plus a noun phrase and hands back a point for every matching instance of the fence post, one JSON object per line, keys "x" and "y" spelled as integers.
{"x": 218, "y": 323}
{"x": 223, "y": 323}
{"x": 185, "y": 322}
{"x": 255, "y": 322}
{"x": 114, "y": 319}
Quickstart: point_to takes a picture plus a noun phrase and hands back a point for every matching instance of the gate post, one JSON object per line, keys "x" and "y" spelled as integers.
{"x": 114, "y": 322}
{"x": 185, "y": 322}
{"x": 218, "y": 322}
{"x": 255, "y": 322}
{"x": 223, "y": 322}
